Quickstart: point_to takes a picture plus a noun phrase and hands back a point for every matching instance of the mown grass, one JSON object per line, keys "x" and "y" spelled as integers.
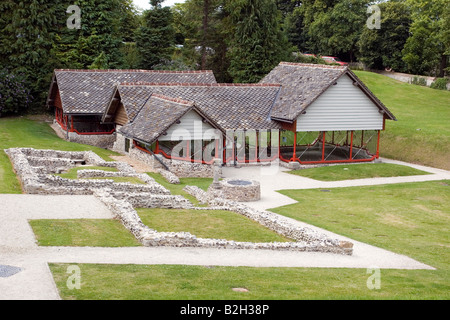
{"x": 26, "y": 133}
{"x": 82, "y": 232}
{"x": 72, "y": 174}
{"x": 421, "y": 134}
{"x": 181, "y": 282}
{"x": 357, "y": 171}
{"x": 177, "y": 189}
{"x": 410, "y": 218}
{"x": 216, "y": 224}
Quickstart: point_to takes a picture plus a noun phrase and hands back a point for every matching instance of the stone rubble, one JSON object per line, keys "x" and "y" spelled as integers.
{"x": 36, "y": 168}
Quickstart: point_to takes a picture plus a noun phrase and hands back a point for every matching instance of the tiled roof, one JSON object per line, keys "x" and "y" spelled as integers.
{"x": 155, "y": 117}
{"x": 301, "y": 85}
{"x": 89, "y": 91}
{"x": 229, "y": 106}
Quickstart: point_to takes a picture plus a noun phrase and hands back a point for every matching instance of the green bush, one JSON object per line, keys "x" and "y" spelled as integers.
{"x": 301, "y": 58}
{"x": 440, "y": 84}
{"x": 14, "y": 95}
{"x": 419, "y": 81}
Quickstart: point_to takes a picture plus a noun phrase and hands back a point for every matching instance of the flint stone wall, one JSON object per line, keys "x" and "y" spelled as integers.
{"x": 308, "y": 239}
{"x": 249, "y": 192}
{"x": 105, "y": 141}
{"x": 121, "y": 198}
{"x": 182, "y": 169}
{"x": 33, "y": 168}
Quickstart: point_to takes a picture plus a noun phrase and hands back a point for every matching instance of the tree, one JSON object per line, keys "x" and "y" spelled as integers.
{"x": 258, "y": 43}
{"x": 155, "y": 39}
{"x": 99, "y": 37}
{"x": 336, "y": 29}
{"x": 426, "y": 50}
{"x": 205, "y": 33}
{"x": 382, "y": 48}
{"x": 26, "y": 39}
{"x": 293, "y": 24}
{"x": 14, "y": 94}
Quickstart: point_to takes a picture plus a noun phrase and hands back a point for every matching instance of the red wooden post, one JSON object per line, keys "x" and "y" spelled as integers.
{"x": 351, "y": 145}
{"x": 323, "y": 146}
{"x": 378, "y": 145}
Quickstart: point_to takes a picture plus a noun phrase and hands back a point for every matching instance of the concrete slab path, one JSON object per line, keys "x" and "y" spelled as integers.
{"x": 274, "y": 178}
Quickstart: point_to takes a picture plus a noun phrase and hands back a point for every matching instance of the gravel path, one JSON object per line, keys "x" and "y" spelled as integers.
{"x": 18, "y": 248}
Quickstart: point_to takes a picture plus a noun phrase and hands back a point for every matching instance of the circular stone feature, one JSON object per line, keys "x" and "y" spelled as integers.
{"x": 239, "y": 182}
{"x": 240, "y": 189}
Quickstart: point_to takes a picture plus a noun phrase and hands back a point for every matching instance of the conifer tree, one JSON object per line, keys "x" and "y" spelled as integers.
{"x": 26, "y": 40}
{"x": 258, "y": 43}
{"x": 155, "y": 39}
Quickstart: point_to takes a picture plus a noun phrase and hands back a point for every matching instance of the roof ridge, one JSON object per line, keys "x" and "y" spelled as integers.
{"x": 176, "y": 100}
{"x": 134, "y": 70}
{"x": 313, "y": 65}
{"x": 187, "y": 84}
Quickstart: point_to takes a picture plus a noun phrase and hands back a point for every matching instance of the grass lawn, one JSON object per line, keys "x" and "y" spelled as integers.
{"x": 23, "y": 132}
{"x": 217, "y": 224}
{"x": 180, "y": 282}
{"x": 72, "y": 174}
{"x": 411, "y": 219}
{"x": 82, "y": 232}
{"x": 408, "y": 218}
{"x": 177, "y": 189}
{"x": 357, "y": 171}
{"x": 421, "y": 134}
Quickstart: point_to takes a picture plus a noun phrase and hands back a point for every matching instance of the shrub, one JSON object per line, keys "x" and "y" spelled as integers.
{"x": 419, "y": 81}
{"x": 440, "y": 84}
{"x": 14, "y": 96}
{"x": 301, "y": 58}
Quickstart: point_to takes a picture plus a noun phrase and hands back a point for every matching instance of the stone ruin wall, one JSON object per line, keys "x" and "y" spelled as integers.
{"x": 35, "y": 169}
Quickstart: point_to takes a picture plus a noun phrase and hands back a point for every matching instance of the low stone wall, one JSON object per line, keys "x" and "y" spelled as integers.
{"x": 145, "y": 157}
{"x": 105, "y": 141}
{"x": 169, "y": 176}
{"x": 34, "y": 168}
{"x": 230, "y": 191}
{"x": 308, "y": 239}
{"x": 150, "y": 200}
{"x": 185, "y": 169}
{"x": 123, "y": 198}
{"x": 182, "y": 169}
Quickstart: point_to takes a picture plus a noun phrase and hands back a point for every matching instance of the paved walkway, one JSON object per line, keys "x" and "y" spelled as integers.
{"x": 270, "y": 198}
{"x": 34, "y": 281}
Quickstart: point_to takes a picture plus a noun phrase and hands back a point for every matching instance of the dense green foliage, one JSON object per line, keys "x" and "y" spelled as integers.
{"x": 258, "y": 44}
{"x": 155, "y": 38}
{"x": 427, "y": 49}
{"x": 14, "y": 96}
{"x": 382, "y": 48}
{"x": 240, "y": 40}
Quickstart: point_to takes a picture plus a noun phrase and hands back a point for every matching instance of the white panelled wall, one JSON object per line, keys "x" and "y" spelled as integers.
{"x": 191, "y": 127}
{"x": 341, "y": 107}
